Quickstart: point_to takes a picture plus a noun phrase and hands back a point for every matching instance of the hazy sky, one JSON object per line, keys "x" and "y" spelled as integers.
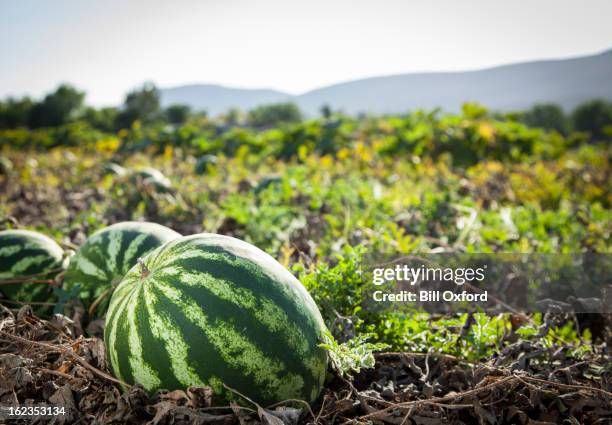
{"x": 108, "y": 47}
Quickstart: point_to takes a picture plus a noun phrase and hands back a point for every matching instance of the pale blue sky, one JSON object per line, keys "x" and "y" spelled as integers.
{"x": 108, "y": 47}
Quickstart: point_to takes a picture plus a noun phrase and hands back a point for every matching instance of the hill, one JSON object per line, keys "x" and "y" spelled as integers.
{"x": 566, "y": 82}
{"x": 218, "y": 99}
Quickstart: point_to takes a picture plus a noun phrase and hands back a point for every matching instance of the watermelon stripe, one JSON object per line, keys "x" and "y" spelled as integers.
{"x": 23, "y": 254}
{"x": 25, "y": 264}
{"x": 8, "y": 250}
{"x": 112, "y": 322}
{"x": 90, "y": 269}
{"x": 29, "y": 264}
{"x": 221, "y": 310}
{"x": 113, "y": 248}
{"x": 154, "y": 353}
{"x": 141, "y": 371}
{"x": 202, "y": 353}
{"x": 241, "y": 321}
{"x": 170, "y": 335}
{"x": 122, "y": 347}
{"x": 12, "y": 257}
{"x": 243, "y": 274}
{"x": 212, "y": 309}
{"x": 121, "y": 290}
{"x": 235, "y": 348}
{"x": 131, "y": 251}
{"x": 267, "y": 313}
{"x": 108, "y": 255}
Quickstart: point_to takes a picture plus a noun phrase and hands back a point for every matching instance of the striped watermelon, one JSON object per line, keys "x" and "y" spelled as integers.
{"x": 209, "y": 309}
{"x": 24, "y": 253}
{"x": 108, "y": 254}
{"x": 151, "y": 177}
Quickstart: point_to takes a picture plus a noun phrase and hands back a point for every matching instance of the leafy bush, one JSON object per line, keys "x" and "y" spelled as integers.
{"x": 547, "y": 116}
{"x": 595, "y": 118}
{"x": 275, "y": 114}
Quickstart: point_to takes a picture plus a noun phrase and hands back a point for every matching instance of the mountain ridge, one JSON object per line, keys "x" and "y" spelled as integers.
{"x": 566, "y": 82}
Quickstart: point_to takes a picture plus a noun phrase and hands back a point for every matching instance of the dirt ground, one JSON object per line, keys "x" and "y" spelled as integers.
{"x": 54, "y": 363}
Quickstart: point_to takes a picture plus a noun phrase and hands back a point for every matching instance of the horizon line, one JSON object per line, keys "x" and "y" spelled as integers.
{"x": 430, "y": 72}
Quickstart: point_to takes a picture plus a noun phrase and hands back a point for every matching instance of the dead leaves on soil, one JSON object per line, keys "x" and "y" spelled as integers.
{"x": 52, "y": 362}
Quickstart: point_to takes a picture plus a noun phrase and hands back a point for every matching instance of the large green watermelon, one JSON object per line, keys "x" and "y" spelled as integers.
{"x": 108, "y": 254}
{"x": 24, "y": 253}
{"x": 209, "y": 309}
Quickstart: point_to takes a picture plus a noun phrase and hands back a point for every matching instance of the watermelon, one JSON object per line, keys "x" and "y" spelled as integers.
{"x": 205, "y": 163}
{"x": 24, "y": 253}
{"x": 116, "y": 169}
{"x": 151, "y": 177}
{"x": 107, "y": 255}
{"x": 208, "y": 309}
{"x": 266, "y": 182}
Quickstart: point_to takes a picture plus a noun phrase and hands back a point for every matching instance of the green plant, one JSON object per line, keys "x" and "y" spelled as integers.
{"x": 352, "y": 355}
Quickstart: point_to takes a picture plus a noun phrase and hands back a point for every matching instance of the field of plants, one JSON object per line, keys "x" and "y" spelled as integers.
{"x": 319, "y": 196}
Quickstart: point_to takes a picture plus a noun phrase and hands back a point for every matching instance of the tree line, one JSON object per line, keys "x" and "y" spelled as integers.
{"x": 66, "y": 105}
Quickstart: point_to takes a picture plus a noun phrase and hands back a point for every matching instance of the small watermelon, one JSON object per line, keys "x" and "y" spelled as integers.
{"x": 205, "y": 163}
{"x": 116, "y": 169}
{"x": 151, "y": 177}
{"x": 107, "y": 255}
{"x": 23, "y": 254}
{"x": 210, "y": 310}
{"x": 266, "y": 182}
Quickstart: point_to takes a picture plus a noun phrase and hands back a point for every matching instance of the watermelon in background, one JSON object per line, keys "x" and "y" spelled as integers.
{"x": 107, "y": 255}
{"x": 205, "y": 163}
{"x": 208, "y": 309}
{"x": 114, "y": 169}
{"x": 151, "y": 177}
{"x": 24, "y": 254}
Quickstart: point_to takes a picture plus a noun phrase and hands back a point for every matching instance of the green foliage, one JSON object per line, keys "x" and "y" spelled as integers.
{"x": 321, "y": 193}
{"x": 337, "y": 289}
{"x": 342, "y": 290}
{"x": 233, "y": 117}
{"x": 353, "y": 355}
{"x": 102, "y": 119}
{"x": 595, "y": 118}
{"x": 474, "y": 110}
{"x": 57, "y": 108}
{"x": 177, "y": 113}
{"x": 69, "y": 135}
{"x": 15, "y": 113}
{"x": 141, "y": 105}
{"x": 547, "y": 116}
{"x": 275, "y": 114}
